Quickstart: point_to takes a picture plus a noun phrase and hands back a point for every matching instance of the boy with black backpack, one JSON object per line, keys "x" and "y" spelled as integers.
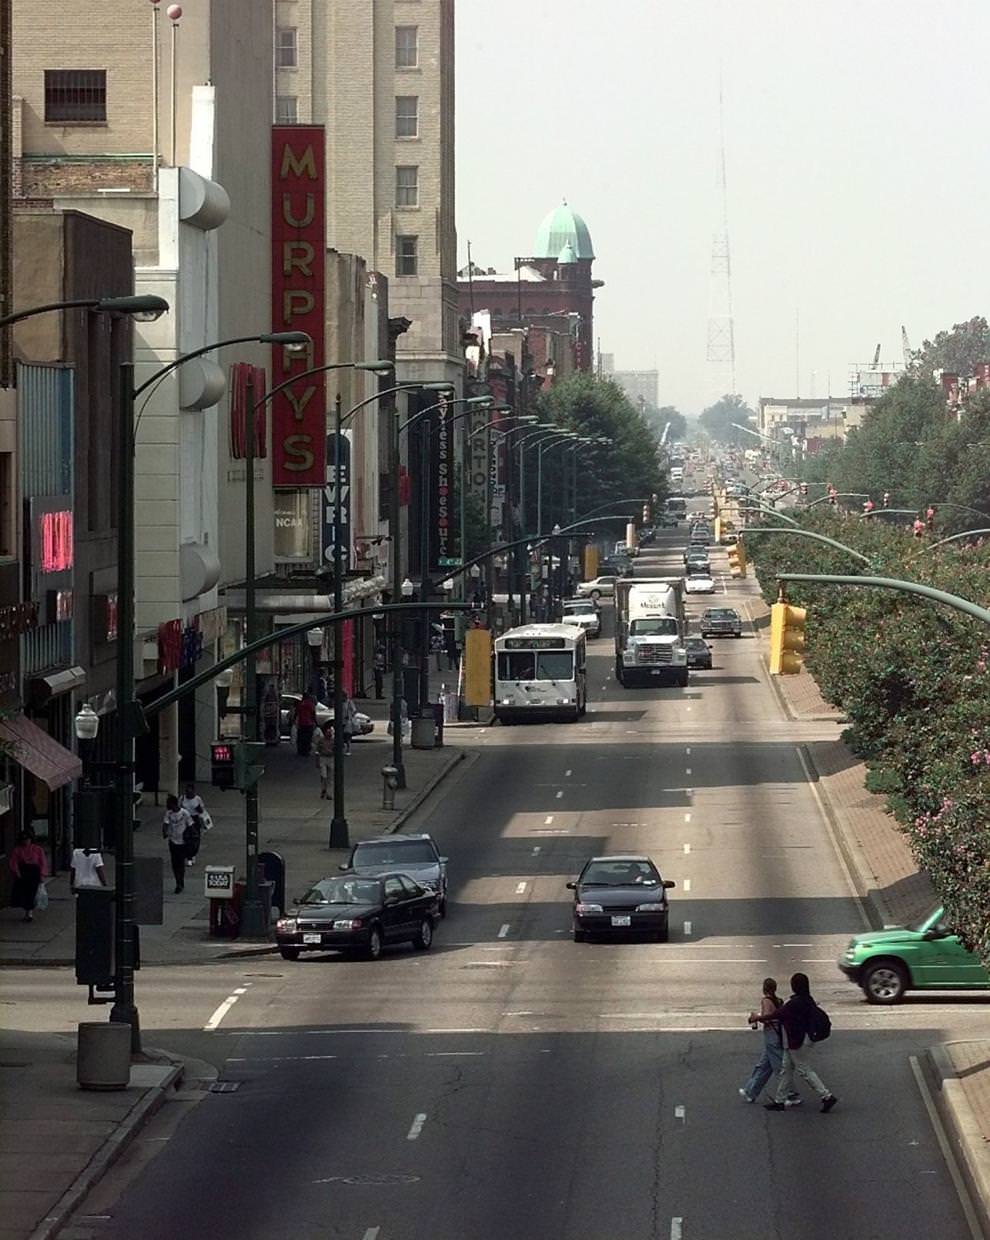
{"x": 804, "y": 1023}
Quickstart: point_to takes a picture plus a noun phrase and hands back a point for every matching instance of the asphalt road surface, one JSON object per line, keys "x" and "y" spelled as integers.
{"x": 513, "y": 1085}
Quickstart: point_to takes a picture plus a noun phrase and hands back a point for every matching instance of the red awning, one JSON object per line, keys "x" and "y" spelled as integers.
{"x": 35, "y": 750}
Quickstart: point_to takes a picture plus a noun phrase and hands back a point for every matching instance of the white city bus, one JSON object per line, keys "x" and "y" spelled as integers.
{"x": 540, "y": 673}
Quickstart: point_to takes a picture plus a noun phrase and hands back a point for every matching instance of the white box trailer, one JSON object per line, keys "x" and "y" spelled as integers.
{"x": 649, "y": 631}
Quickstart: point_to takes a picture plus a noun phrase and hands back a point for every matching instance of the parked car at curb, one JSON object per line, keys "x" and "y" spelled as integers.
{"x": 923, "y": 956}
{"x": 598, "y": 587}
{"x": 289, "y": 704}
{"x": 416, "y": 855}
{"x": 359, "y": 914}
{"x": 621, "y": 894}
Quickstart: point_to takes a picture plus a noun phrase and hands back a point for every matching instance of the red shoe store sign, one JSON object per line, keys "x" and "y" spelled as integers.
{"x": 299, "y": 302}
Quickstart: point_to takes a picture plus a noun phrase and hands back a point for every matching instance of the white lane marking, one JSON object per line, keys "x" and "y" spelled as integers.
{"x": 687, "y": 770}
{"x": 793, "y": 944}
{"x": 223, "y": 1009}
{"x": 277, "y": 1058}
{"x": 548, "y": 820}
{"x": 371, "y": 1234}
{"x": 687, "y": 849}
{"x": 689, "y": 708}
{"x": 687, "y": 884}
{"x": 687, "y": 817}
{"x": 520, "y": 888}
{"x": 687, "y": 927}
{"x": 536, "y": 849}
{"x": 503, "y": 930}
{"x": 451, "y": 1054}
{"x": 676, "y": 1229}
{"x": 679, "y": 1113}
{"x": 566, "y": 773}
{"x": 560, "y": 793}
{"x": 417, "y": 1126}
{"x": 688, "y": 750}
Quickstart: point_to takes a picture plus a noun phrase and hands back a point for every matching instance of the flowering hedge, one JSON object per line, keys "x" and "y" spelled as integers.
{"x": 913, "y": 679}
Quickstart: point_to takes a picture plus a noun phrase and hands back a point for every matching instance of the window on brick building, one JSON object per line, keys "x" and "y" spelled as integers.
{"x": 406, "y": 47}
{"x": 286, "y": 110}
{"x": 406, "y": 255}
{"x": 407, "y": 186}
{"x": 286, "y": 50}
{"x": 76, "y": 95}
{"x": 406, "y": 116}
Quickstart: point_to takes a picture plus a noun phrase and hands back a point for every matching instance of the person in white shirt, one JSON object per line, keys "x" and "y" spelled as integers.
{"x": 174, "y": 826}
{"x": 86, "y": 869}
{"x": 194, "y": 806}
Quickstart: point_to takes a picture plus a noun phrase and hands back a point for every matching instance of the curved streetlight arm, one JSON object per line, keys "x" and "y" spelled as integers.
{"x": 893, "y": 583}
{"x": 952, "y": 538}
{"x": 454, "y": 400}
{"x": 536, "y": 433}
{"x": 831, "y": 542}
{"x": 879, "y": 512}
{"x": 769, "y": 512}
{"x": 399, "y": 387}
{"x": 529, "y": 541}
{"x": 838, "y": 495}
{"x": 612, "y": 502}
{"x": 305, "y": 374}
{"x": 262, "y": 338}
{"x": 135, "y": 305}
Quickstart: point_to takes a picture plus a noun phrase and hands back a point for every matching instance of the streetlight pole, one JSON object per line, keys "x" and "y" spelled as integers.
{"x": 130, "y": 716}
{"x": 545, "y": 445}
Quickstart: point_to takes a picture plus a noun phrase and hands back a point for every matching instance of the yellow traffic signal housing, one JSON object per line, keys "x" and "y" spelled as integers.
{"x": 786, "y": 639}
{"x": 737, "y": 559}
{"x": 590, "y": 562}
{"x": 718, "y": 529}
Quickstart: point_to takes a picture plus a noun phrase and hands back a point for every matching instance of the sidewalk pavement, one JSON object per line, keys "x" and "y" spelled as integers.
{"x": 955, "y": 1076}
{"x": 294, "y": 822}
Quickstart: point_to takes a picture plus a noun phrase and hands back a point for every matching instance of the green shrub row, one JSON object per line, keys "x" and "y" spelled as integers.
{"x": 913, "y": 679}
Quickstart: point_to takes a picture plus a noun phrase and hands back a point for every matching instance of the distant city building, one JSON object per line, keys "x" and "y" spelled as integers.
{"x": 641, "y": 386}
{"x": 553, "y": 288}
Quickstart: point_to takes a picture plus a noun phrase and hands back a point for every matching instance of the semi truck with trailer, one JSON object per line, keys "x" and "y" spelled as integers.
{"x": 650, "y": 628}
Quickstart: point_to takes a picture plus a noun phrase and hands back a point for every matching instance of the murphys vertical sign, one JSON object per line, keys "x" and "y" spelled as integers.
{"x": 299, "y": 303}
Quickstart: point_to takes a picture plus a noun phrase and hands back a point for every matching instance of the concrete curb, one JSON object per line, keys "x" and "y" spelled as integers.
{"x": 408, "y": 810}
{"x": 850, "y": 851}
{"x": 971, "y": 1149}
{"x": 107, "y": 1154}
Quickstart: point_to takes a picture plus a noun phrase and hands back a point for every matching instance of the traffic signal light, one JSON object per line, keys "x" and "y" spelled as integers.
{"x": 737, "y": 560}
{"x": 222, "y": 765}
{"x": 786, "y": 639}
{"x": 646, "y": 514}
{"x": 804, "y": 489}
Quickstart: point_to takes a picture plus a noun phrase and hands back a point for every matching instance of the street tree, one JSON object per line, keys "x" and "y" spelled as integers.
{"x": 956, "y": 351}
{"x": 718, "y": 419}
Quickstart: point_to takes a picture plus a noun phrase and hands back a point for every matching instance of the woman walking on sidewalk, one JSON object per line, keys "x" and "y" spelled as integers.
{"x": 174, "y": 826}
{"x": 324, "y": 757}
{"x": 29, "y": 866}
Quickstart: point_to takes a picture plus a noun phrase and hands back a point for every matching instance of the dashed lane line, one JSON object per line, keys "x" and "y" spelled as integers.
{"x": 213, "y": 1023}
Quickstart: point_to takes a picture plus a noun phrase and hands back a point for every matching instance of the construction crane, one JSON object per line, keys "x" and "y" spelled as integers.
{"x": 906, "y": 346}
{"x": 876, "y": 357}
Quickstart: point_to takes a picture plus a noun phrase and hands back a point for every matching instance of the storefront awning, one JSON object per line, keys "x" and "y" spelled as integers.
{"x": 35, "y": 750}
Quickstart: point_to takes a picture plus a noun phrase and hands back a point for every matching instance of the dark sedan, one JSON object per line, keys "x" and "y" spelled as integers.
{"x": 416, "y": 856}
{"x": 363, "y": 914}
{"x": 699, "y": 653}
{"x": 621, "y": 894}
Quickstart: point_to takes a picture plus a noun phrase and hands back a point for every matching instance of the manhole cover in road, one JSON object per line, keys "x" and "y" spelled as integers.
{"x": 369, "y": 1179}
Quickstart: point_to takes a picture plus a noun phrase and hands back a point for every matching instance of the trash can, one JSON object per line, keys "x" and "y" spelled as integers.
{"x": 424, "y": 731}
{"x": 265, "y": 893}
{"x": 451, "y": 702}
{"x": 103, "y": 1055}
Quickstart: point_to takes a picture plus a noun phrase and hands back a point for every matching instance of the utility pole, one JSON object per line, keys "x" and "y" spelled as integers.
{"x": 253, "y": 924}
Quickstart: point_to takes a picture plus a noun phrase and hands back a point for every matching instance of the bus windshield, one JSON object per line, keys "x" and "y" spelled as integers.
{"x": 536, "y": 665}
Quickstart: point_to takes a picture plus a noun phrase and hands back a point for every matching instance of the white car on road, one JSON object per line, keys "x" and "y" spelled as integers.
{"x": 598, "y": 587}
{"x": 585, "y": 614}
{"x": 699, "y": 583}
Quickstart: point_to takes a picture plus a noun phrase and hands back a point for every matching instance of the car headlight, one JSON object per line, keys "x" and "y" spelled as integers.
{"x": 348, "y": 923}
{"x": 653, "y": 907}
{"x": 581, "y": 909}
{"x": 286, "y": 925}
{"x": 507, "y": 701}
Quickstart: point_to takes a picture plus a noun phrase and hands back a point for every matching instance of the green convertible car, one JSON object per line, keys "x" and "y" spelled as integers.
{"x": 924, "y": 956}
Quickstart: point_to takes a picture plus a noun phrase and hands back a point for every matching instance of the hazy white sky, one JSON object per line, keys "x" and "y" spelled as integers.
{"x": 858, "y": 167}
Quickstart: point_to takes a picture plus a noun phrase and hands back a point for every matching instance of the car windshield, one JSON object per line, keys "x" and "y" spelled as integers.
{"x": 620, "y": 874}
{"x": 696, "y": 643}
{"x": 344, "y": 891}
{"x": 721, "y": 613}
{"x": 395, "y": 852}
{"x": 656, "y": 627}
{"x": 931, "y": 918}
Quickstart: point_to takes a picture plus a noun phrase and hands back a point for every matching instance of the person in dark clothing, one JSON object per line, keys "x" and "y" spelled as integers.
{"x": 174, "y": 826}
{"x": 378, "y": 669}
{"x": 795, "y": 1019}
{"x": 305, "y": 725}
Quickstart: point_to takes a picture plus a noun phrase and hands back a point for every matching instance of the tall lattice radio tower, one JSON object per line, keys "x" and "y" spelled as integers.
{"x": 721, "y": 329}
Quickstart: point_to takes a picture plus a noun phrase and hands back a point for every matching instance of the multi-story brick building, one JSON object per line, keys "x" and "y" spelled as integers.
{"x": 552, "y": 288}
{"x": 380, "y": 77}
